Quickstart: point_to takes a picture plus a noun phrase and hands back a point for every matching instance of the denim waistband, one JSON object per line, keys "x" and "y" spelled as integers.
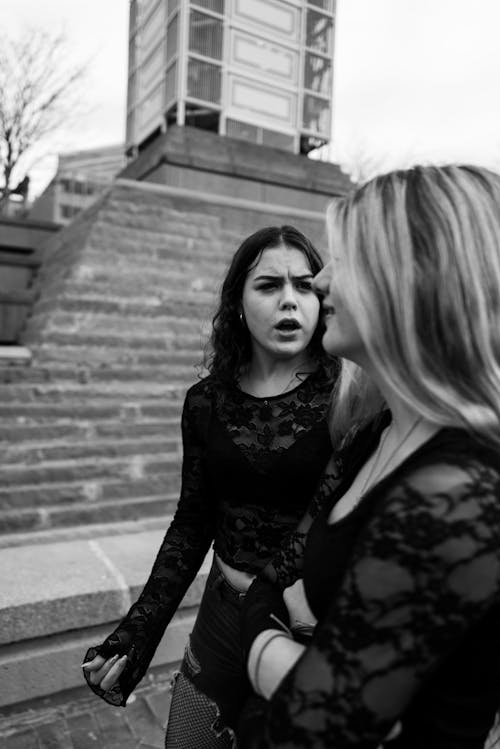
{"x": 218, "y": 581}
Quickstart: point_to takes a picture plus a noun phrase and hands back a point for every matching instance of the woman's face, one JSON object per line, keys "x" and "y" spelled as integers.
{"x": 279, "y": 305}
{"x": 341, "y": 337}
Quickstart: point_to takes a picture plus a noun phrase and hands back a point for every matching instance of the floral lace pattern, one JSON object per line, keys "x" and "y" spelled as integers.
{"x": 408, "y": 637}
{"x": 250, "y": 468}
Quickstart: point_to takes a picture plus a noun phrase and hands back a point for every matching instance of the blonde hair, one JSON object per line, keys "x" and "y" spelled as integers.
{"x": 422, "y": 254}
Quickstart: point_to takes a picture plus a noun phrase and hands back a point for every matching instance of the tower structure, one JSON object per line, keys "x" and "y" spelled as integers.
{"x": 258, "y": 70}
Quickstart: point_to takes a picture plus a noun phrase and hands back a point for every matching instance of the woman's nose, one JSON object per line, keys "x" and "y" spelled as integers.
{"x": 288, "y": 298}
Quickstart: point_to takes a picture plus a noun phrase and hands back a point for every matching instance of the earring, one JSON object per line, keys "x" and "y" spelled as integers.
{"x": 241, "y": 317}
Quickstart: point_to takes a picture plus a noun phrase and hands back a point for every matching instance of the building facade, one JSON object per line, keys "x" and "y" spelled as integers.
{"x": 80, "y": 178}
{"x": 259, "y": 70}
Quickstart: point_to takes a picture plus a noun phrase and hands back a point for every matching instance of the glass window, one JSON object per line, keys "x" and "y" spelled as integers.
{"x": 316, "y": 115}
{"x": 205, "y": 35}
{"x": 319, "y": 32}
{"x": 204, "y": 81}
{"x": 318, "y": 74}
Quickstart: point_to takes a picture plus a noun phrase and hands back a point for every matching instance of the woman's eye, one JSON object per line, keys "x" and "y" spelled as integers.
{"x": 267, "y": 286}
{"x": 305, "y": 286}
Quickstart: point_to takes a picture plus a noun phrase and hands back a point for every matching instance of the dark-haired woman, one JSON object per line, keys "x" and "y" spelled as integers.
{"x": 255, "y": 441}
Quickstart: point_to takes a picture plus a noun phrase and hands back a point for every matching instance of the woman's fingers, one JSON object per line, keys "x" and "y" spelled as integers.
{"x": 97, "y": 674}
{"x": 114, "y": 673}
{"x": 95, "y": 664}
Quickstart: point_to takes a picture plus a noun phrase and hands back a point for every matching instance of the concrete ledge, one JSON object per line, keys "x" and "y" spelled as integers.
{"x": 58, "y": 599}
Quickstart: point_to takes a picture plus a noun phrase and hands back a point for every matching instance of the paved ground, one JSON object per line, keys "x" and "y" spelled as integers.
{"x": 79, "y": 720}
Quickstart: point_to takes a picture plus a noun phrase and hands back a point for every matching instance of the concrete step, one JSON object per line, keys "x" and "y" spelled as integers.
{"x": 128, "y": 347}
{"x": 73, "y": 488}
{"x": 59, "y": 598}
{"x": 88, "y": 531}
{"x": 64, "y": 412}
{"x": 29, "y": 454}
{"x": 90, "y": 469}
{"x": 43, "y": 434}
{"x": 81, "y": 514}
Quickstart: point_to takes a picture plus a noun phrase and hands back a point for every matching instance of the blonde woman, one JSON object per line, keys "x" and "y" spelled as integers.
{"x": 402, "y": 567}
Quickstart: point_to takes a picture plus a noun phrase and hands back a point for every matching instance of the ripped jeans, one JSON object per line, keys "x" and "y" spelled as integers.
{"x": 212, "y": 685}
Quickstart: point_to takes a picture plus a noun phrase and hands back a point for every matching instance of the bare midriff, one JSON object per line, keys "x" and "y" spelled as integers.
{"x": 238, "y": 579}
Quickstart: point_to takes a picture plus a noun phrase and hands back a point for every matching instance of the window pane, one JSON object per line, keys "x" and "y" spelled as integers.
{"x": 204, "y": 81}
{"x": 316, "y": 115}
{"x": 318, "y": 74}
{"x": 319, "y": 32}
{"x": 205, "y": 35}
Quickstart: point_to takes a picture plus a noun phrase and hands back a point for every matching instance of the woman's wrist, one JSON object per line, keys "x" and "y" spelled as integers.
{"x": 271, "y": 656}
{"x": 256, "y": 653}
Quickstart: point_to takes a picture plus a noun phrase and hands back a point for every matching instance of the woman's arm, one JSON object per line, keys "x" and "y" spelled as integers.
{"x": 424, "y": 570}
{"x": 180, "y": 556}
{"x": 285, "y": 568}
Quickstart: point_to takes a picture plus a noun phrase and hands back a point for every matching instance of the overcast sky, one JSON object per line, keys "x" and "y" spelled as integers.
{"x": 414, "y": 81}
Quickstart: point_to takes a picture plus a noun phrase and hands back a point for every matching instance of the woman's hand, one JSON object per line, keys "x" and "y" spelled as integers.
{"x": 298, "y": 608}
{"x": 104, "y": 672}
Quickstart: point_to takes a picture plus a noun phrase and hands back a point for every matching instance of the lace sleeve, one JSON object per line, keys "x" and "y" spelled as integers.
{"x": 424, "y": 569}
{"x": 180, "y": 556}
{"x": 286, "y": 565}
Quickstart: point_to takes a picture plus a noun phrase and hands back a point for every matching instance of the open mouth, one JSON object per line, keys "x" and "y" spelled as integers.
{"x": 288, "y": 325}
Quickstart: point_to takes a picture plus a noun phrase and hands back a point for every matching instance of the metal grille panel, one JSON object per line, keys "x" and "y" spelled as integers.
{"x": 328, "y": 5}
{"x": 204, "y": 81}
{"x": 205, "y": 35}
{"x": 217, "y": 6}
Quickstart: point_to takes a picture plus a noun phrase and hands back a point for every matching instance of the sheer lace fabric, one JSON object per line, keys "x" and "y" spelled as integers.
{"x": 409, "y": 620}
{"x": 250, "y": 467}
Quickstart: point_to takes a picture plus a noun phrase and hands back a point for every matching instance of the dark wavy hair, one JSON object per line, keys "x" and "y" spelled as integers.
{"x": 229, "y": 348}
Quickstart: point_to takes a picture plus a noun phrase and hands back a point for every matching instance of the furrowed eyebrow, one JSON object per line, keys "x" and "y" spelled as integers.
{"x": 269, "y": 277}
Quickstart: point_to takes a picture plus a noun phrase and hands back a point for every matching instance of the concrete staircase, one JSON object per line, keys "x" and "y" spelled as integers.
{"x": 90, "y": 431}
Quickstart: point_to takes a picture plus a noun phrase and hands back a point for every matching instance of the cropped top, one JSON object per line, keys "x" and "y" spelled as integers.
{"x": 250, "y": 469}
{"x": 406, "y": 589}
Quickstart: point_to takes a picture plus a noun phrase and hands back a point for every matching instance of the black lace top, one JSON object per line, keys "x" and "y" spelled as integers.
{"x": 250, "y": 468}
{"x": 406, "y": 589}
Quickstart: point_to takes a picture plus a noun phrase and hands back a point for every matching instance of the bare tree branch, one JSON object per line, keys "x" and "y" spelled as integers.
{"x": 37, "y": 93}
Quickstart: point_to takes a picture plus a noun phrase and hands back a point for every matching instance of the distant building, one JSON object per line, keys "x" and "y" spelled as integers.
{"x": 80, "y": 178}
{"x": 258, "y": 70}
